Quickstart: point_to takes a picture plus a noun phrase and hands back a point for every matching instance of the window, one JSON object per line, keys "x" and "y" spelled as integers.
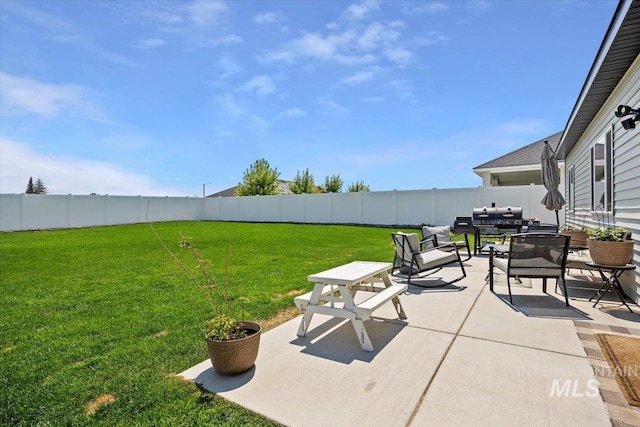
{"x": 601, "y": 174}
{"x": 571, "y": 192}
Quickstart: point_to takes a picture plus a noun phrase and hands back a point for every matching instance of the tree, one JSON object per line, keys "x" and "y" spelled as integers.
{"x": 30, "y": 186}
{"x": 259, "y": 179}
{"x": 303, "y": 184}
{"x": 332, "y": 184}
{"x": 358, "y": 186}
{"x": 39, "y": 187}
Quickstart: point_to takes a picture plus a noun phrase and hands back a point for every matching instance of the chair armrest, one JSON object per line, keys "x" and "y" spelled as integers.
{"x": 428, "y": 242}
{"x": 444, "y": 245}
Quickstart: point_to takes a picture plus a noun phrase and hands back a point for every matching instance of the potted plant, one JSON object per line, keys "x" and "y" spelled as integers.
{"x": 578, "y": 233}
{"x": 232, "y": 342}
{"x": 610, "y": 245}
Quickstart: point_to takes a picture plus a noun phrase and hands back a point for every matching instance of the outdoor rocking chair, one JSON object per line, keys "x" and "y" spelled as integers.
{"x": 533, "y": 255}
{"x": 412, "y": 260}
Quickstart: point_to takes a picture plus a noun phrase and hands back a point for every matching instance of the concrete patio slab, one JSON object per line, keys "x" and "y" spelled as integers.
{"x": 485, "y": 383}
{"x": 327, "y": 379}
{"x": 464, "y": 356}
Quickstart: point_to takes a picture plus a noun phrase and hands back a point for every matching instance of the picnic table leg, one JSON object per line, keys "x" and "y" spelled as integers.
{"x": 362, "y": 335}
{"x": 304, "y": 323}
{"x": 395, "y": 300}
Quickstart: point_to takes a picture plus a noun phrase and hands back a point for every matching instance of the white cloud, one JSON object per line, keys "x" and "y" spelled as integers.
{"x": 227, "y": 40}
{"x": 71, "y": 175}
{"x": 205, "y": 12}
{"x": 432, "y": 39}
{"x": 349, "y": 47}
{"x": 358, "y": 78}
{"x": 430, "y": 7}
{"x": 150, "y": 43}
{"x": 271, "y": 18}
{"x": 228, "y": 66}
{"x": 262, "y": 85}
{"x": 377, "y": 34}
{"x": 257, "y": 122}
{"x": 22, "y": 95}
{"x": 399, "y": 55}
{"x": 333, "y": 108}
{"x": 402, "y": 88}
{"x": 292, "y": 112}
{"x": 229, "y": 105}
{"x": 357, "y": 12}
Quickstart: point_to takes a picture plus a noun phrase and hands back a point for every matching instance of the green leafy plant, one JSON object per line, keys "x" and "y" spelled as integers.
{"x": 221, "y": 320}
{"x": 568, "y": 227}
{"x": 609, "y": 234}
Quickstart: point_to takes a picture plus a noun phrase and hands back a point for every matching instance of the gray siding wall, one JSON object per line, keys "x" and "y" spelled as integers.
{"x": 626, "y": 171}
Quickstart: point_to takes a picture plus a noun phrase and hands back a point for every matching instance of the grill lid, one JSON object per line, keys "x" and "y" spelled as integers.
{"x": 497, "y": 216}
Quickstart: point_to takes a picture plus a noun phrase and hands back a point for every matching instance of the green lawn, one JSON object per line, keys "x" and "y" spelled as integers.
{"x": 96, "y": 322}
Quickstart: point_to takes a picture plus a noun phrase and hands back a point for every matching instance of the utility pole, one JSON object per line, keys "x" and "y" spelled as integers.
{"x": 203, "y": 187}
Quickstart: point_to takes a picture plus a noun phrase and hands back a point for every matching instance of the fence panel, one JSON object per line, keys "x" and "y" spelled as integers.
{"x": 378, "y": 208}
{"x": 11, "y": 206}
{"x": 317, "y": 208}
{"x": 44, "y": 212}
{"x": 82, "y": 209}
{"x": 125, "y": 210}
{"x": 346, "y": 208}
{"x": 268, "y": 209}
{"x": 291, "y": 208}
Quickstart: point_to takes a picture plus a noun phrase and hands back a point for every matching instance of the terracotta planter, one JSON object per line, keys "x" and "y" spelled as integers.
{"x": 578, "y": 238}
{"x": 611, "y": 253}
{"x": 236, "y": 356}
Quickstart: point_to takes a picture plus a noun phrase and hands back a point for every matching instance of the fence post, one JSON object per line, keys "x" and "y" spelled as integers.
{"x": 22, "y": 202}
{"x": 69, "y": 196}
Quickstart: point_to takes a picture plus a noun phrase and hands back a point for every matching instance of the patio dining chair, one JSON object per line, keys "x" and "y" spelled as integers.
{"x": 440, "y": 236}
{"x": 412, "y": 260}
{"x": 533, "y": 255}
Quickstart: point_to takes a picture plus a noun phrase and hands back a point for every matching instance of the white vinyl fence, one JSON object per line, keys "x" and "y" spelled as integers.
{"x": 414, "y": 207}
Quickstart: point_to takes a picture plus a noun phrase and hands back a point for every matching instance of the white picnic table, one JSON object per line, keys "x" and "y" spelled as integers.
{"x": 338, "y": 286}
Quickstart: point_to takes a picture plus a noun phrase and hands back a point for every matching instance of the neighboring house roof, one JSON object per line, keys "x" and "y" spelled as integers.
{"x": 527, "y": 155}
{"x": 231, "y": 192}
{"x": 620, "y": 47}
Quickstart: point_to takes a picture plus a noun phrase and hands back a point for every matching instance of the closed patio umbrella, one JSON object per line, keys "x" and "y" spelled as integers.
{"x": 553, "y": 200}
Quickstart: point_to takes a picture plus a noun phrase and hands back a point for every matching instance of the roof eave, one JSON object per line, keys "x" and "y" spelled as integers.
{"x": 588, "y": 104}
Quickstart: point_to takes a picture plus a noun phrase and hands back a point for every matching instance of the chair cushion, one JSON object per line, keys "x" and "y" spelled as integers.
{"x": 441, "y": 232}
{"x": 405, "y": 254}
{"x": 539, "y": 267}
{"x": 435, "y": 258}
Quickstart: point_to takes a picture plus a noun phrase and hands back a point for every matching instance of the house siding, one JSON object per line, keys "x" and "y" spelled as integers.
{"x": 626, "y": 164}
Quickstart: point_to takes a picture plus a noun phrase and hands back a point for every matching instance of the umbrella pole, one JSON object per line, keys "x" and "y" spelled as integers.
{"x": 557, "y": 218}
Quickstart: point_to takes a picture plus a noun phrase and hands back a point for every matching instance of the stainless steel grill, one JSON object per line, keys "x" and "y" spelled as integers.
{"x": 489, "y": 221}
{"x": 503, "y": 217}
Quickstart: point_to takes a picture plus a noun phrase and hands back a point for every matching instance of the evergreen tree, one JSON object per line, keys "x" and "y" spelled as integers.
{"x": 259, "y": 179}
{"x": 30, "y": 186}
{"x": 39, "y": 187}
{"x": 358, "y": 186}
{"x": 303, "y": 184}
{"x": 332, "y": 184}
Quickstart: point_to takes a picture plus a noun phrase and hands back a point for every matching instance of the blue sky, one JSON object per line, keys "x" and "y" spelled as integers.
{"x": 158, "y": 97}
